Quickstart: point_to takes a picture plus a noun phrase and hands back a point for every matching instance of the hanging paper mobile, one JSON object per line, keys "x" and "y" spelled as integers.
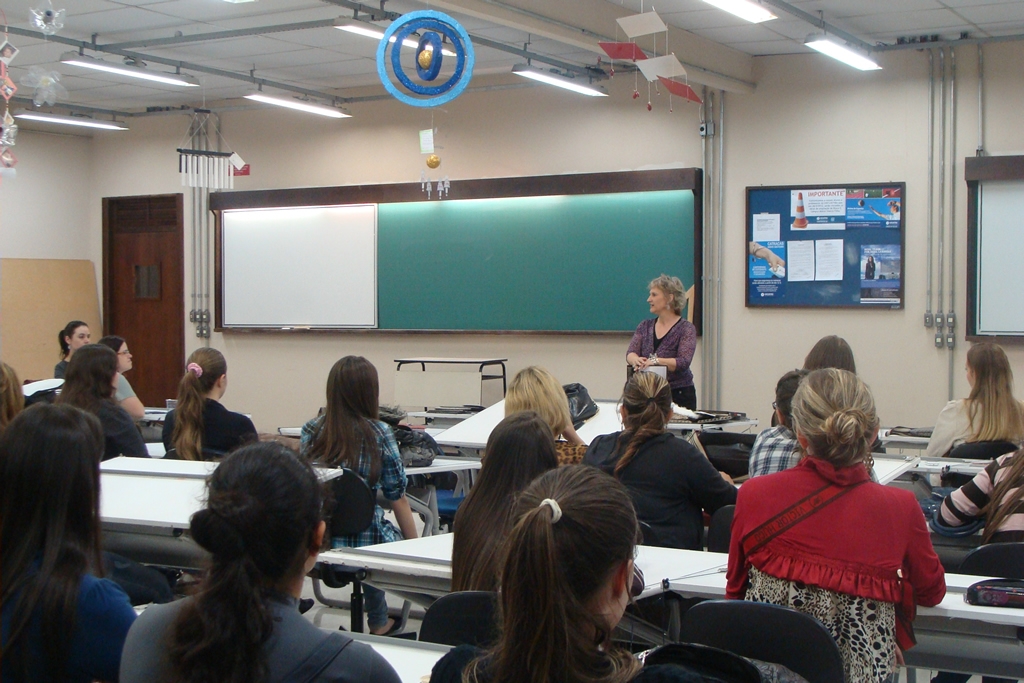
{"x": 432, "y": 26}
{"x": 8, "y": 131}
{"x": 46, "y": 19}
{"x": 47, "y": 86}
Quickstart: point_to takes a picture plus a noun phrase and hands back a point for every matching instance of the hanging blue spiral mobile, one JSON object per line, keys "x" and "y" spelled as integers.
{"x": 431, "y": 26}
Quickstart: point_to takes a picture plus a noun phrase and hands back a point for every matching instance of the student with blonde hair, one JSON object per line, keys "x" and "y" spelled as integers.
{"x": 12, "y": 398}
{"x": 671, "y": 482}
{"x": 537, "y": 390}
{"x": 199, "y": 427}
{"x": 822, "y": 538}
{"x": 989, "y": 413}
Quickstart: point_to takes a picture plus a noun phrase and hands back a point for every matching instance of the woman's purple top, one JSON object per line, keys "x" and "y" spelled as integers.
{"x": 680, "y": 342}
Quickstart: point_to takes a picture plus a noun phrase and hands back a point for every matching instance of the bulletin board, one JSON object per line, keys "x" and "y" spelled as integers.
{"x": 825, "y": 246}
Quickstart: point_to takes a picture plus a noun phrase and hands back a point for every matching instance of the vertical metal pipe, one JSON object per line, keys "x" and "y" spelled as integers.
{"x": 942, "y": 184}
{"x": 981, "y": 102}
{"x": 931, "y": 178}
{"x": 951, "y": 333}
{"x": 704, "y": 252}
{"x": 719, "y": 248}
{"x": 709, "y": 221}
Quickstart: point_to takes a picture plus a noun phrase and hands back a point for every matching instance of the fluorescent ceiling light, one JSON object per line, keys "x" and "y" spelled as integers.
{"x": 558, "y": 81}
{"x": 307, "y": 107}
{"x": 238, "y": 2}
{"x": 69, "y": 120}
{"x": 744, "y": 9}
{"x": 362, "y": 28}
{"x": 127, "y": 70}
{"x": 844, "y": 53}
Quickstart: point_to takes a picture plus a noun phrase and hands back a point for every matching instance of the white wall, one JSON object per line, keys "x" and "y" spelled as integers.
{"x": 810, "y": 121}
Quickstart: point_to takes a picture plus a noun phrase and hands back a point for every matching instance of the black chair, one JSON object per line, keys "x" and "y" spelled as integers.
{"x": 720, "y": 529}
{"x": 770, "y": 633}
{"x": 729, "y": 452}
{"x": 1003, "y": 560}
{"x": 982, "y": 450}
{"x": 354, "y": 507}
{"x": 465, "y": 618}
{"x": 650, "y": 536}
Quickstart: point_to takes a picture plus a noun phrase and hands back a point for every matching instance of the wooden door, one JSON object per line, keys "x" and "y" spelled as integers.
{"x": 143, "y": 289}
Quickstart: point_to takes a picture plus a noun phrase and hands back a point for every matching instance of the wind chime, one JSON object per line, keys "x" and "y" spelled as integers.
{"x": 433, "y": 161}
{"x": 8, "y": 128}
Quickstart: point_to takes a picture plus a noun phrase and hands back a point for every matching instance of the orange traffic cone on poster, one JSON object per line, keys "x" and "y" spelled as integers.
{"x": 801, "y": 219}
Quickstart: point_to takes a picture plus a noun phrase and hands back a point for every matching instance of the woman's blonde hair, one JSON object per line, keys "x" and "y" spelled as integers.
{"x": 536, "y": 389}
{"x": 834, "y": 410}
{"x": 1001, "y": 417}
{"x": 647, "y": 399}
{"x": 12, "y": 397}
{"x": 673, "y": 287}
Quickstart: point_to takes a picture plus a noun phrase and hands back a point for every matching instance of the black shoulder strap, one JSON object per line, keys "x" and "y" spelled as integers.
{"x": 319, "y": 659}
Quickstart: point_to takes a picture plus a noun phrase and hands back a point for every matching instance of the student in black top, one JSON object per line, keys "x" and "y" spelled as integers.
{"x": 74, "y": 336}
{"x": 90, "y": 384}
{"x": 672, "y": 483}
{"x": 199, "y": 427}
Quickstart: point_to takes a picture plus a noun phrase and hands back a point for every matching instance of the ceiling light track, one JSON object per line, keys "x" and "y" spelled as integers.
{"x": 819, "y": 23}
{"x": 223, "y": 35}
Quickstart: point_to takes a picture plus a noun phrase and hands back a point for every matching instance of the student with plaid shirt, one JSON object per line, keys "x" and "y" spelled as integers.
{"x": 776, "y": 449}
{"x": 349, "y": 434}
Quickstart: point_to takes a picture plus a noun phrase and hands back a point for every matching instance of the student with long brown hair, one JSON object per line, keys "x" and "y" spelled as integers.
{"x": 90, "y": 384}
{"x": 199, "y": 427}
{"x": 518, "y": 450}
{"x": 349, "y": 434}
{"x": 566, "y": 577}
{"x": 671, "y": 482}
{"x": 124, "y": 395}
{"x": 536, "y": 389}
{"x": 989, "y": 413}
{"x": 61, "y": 620}
{"x": 12, "y": 397}
{"x": 831, "y": 352}
{"x": 263, "y": 526}
{"x": 996, "y": 494}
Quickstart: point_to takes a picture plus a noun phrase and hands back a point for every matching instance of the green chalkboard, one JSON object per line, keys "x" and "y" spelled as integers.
{"x": 549, "y": 263}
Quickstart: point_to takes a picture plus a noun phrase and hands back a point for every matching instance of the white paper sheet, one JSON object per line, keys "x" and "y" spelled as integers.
{"x": 766, "y": 227}
{"x": 828, "y": 260}
{"x": 800, "y": 267}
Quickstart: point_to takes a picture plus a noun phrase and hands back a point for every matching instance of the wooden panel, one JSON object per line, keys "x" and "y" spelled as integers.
{"x": 37, "y": 298}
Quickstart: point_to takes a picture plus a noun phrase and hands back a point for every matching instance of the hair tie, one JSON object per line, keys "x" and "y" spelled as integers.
{"x": 556, "y": 511}
{"x": 195, "y": 369}
{"x": 652, "y": 399}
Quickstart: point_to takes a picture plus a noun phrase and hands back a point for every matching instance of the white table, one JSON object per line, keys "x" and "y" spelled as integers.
{"x": 888, "y": 440}
{"x": 889, "y": 467}
{"x": 411, "y": 659}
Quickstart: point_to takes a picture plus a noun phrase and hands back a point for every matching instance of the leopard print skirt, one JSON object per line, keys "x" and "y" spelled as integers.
{"x": 865, "y": 630}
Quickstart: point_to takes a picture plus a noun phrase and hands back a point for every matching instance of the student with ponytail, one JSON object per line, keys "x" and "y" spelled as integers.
{"x": 822, "y": 538}
{"x": 566, "y": 578}
{"x": 74, "y": 336}
{"x": 263, "y": 526}
{"x": 671, "y": 482}
{"x": 199, "y": 427}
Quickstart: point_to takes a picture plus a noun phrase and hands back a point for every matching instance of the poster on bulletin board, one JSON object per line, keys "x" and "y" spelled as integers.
{"x": 833, "y": 246}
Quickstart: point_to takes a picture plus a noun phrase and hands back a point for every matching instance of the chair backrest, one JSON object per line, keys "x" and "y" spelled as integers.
{"x": 982, "y": 450}
{"x": 720, "y": 529}
{"x": 354, "y": 504}
{"x": 650, "y": 536}
{"x": 464, "y": 618}
{"x": 771, "y": 633}
{"x": 1002, "y": 560}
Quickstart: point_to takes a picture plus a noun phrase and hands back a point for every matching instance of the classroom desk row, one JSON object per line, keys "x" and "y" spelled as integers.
{"x": 952, "y": 636}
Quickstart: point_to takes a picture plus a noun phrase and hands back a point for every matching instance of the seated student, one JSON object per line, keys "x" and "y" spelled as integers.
{"x": 61, "y": 621}
{"x": 518, "y": 450}
{"x": 776, "y": 448}
{"x": 536, "y": 389}
{"x": 263, "y": 526}
{"x": 566, "y": 578}
{"x": 89, "y": 384}
{"x": 74, "y": 336}
{"x": 989, "y": 413}
{"x": 12, "y": 397}
{"x": 858, "y": 561}
{"x": 830, "y": 352}
{"x": 350, "y": 434}
{"x": 671, "y": 482}
{"x": 199, "y": 424}
{"x": 125, "y": 395}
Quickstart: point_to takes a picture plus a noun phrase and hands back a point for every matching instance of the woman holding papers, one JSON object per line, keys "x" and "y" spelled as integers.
{"x": 824, "y": 539}
{"x": 667, "y": 340}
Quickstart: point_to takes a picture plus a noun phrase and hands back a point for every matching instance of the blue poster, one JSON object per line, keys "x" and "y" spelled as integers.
{"x": 880, "y": 273}
{"x": 874, "y": 208}
{"x": 767, "y": 276}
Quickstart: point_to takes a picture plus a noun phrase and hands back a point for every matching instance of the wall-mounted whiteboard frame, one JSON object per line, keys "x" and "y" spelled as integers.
{"x": 306, "y": 267}
{"x": 995, "y": 247}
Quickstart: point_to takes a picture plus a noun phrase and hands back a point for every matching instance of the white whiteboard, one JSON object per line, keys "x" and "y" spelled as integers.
{"x": 1000, "y": 257}
{"x": 300, "y": 267}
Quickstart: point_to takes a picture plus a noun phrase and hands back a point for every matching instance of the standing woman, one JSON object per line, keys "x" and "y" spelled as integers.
{"x": 989, "y": 413}
{"x": 74, "y": 336}
{"x": 350, "y": 434}
{"x": 124, "y": 395}
{"x": 89, "y": 385}
{"x": 61, "y": 621}
{"x": 537, "y": 390}
{"x": 519, "y": 450}
{"x": 199, "y": 427}
{"x": 858, "y": 560}
{"x": 12, "y": 397}
{"x": 671, "y": 482}
{"x": 263, "y": 526}
{"x": 667, "y": 340}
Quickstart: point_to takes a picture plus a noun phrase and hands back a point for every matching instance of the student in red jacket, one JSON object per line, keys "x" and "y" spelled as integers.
{"x": 823, "y": 539}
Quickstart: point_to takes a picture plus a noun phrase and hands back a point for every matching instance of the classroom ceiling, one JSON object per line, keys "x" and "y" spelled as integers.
{"x": 313, "y": 61}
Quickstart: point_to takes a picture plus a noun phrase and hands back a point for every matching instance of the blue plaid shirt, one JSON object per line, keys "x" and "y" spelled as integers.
{"x": 776, "y": 449}
{"x": 391, "y": 483}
